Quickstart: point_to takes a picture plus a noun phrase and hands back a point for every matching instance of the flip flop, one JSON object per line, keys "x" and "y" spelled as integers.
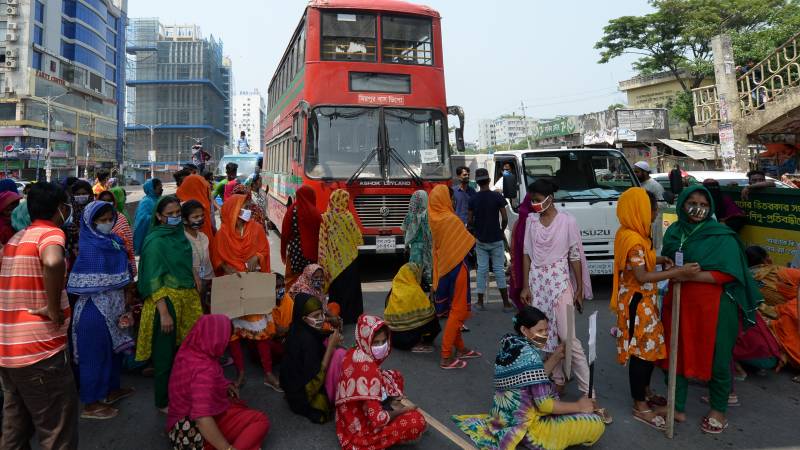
{"x": 100, "y": 413}
{"x": 464, "y": 329}
{"x": 656, "y": 400}
{"x": 127, "y": 392}
{"x": 733, "y": 400}
{"x": 796, "y": 379}
{"x": 472, "y": 354}
{"x": 273, "y": 387}
{"x": 456, "y": 364}
{"x": 657, "y": 422}
{"x": 711, "y": 425}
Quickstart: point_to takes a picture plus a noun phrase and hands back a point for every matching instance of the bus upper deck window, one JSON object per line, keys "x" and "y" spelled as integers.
{"x": 348, "y": 37}
{"x": 407, "y": 40}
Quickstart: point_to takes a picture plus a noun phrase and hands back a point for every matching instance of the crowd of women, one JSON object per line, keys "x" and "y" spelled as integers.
{"x": 154, "y": 316}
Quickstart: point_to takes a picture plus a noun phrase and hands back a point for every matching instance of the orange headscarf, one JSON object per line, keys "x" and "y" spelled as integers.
{"x": 451, "y": 240}
{"x": 635, "y": 219}
{"x": 234, "y": 248}
{"x": 195, "y": 187}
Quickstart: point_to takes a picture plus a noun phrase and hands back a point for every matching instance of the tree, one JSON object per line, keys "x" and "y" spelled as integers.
{"x": 614, "y": 106}
{"x": 676, "y": 37}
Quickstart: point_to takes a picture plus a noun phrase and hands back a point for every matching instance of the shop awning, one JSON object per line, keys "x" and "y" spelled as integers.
{"x": 694, "y": 150}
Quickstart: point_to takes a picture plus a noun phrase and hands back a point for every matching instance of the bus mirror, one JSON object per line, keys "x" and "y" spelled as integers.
{"x": 460, "y": 140}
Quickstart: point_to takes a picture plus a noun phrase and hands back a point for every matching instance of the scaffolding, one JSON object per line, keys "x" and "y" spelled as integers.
{"x": 176, "y": 81}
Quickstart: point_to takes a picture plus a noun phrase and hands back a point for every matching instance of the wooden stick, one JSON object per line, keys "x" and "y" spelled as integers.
{"x": 439, "y": 426}
{"x": 570, "y": 339}
{"x": 673, "y": 358}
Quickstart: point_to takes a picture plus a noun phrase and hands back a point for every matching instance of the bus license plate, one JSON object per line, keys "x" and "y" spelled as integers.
{"x": 601, "y": 268}
{"x": 385, "y": 244}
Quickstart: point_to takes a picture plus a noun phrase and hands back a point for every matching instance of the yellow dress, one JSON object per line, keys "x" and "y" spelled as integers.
{"x": 185, "y": 302}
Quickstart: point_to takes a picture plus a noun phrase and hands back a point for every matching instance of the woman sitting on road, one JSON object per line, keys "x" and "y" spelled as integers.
{"x": 306, "y": 369}
{"x": 371, "y": 409}
{"x": 409, "y": 313}
{"x": 527, "y": 411}
{"x": 204, "y": 407}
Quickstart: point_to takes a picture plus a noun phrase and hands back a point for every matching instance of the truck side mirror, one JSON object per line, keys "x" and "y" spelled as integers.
{"x": 510, "y": 186}
{"x": 460, "y": 140}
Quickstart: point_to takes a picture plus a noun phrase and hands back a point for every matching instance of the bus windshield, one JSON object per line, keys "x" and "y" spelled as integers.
{"x": 340, "y": 139}
{"x": 581, "y": 175}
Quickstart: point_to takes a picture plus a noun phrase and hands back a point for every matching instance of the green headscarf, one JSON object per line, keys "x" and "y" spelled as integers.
{"x": 166, "y": 258}
{"x": 715, "y": 247}
{"x": 119, "y": 201}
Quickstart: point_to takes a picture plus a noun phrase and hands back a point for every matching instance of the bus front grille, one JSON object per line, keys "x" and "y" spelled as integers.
{"x": 382, "y": 211}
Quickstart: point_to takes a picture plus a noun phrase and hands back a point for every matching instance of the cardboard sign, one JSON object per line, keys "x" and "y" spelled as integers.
{"x": 241, "y": 294}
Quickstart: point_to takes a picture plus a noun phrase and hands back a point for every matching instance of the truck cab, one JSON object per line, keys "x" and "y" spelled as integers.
{"x": 590, "y": 182}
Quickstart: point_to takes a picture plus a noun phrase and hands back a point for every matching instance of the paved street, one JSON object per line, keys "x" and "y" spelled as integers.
{"x": 767, "y": 420}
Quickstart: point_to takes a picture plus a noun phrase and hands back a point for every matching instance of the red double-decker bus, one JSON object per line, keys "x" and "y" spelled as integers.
{"x": 358, "y": 103}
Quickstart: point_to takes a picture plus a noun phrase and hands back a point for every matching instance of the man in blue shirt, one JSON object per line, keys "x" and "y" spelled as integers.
{"x": 486, "y": 209}
{"x": 462, "y": 193}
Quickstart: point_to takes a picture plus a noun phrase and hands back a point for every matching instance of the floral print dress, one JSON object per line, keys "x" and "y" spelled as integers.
{"x": 547, "y": 284}
{"x": 647, "y": 342}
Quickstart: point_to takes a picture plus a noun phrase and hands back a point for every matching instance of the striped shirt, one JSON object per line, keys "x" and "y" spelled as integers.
{"x": 25, "y": 338}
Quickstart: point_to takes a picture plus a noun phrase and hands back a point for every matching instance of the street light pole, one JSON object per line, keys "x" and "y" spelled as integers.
{"x": 48, "y": 101}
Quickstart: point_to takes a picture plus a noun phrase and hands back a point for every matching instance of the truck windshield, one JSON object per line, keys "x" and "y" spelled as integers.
{"x": 340, "y": 139}
{"x": 581, "y": 175}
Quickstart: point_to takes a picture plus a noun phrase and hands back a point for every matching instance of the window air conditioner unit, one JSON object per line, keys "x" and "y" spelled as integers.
{"x": 11, "y": 63}
{"x": 12, "y": 2}
{"x": 8, "y": 90}
{"x": 12, "y": 53}
{"x": 11, "y": 10}
{"x": 12, "y": 26}
{"x": 11, "y": 37}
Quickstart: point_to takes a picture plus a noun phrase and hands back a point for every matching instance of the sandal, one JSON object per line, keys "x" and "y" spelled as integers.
{"x": 102, "y": 413}
{"x": 604, "y": 416}
{"x": 118, "y": 395}
{"x": 455, "y": 364}
{"x": 711, "y": 425}
{"x": 472, "y": 354}
{"x": 276, "y": 388}
{"x": 733, "y": 400}
{"x": 657, "y": 422}
{"x": 422, "y": 348}
{"x": 796, "y": 379}
{"x": 464, "y": 329}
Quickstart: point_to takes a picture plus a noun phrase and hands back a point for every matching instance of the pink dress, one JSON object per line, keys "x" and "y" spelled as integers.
{"x": 550, "y": 249}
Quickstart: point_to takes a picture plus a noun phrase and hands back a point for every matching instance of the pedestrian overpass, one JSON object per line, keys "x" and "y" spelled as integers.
{"x": 769, "y": 96}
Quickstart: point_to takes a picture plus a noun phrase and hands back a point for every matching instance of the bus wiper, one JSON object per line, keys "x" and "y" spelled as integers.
{"x": 598, "y": 200}
{"x": 363, "y": 166}
{"x": 393, "y": 153}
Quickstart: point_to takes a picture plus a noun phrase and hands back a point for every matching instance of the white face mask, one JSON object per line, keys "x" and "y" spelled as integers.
{"x": 245, "y": 215}
{"x": 104, "y": 228}
{"x": 380, "y": 351}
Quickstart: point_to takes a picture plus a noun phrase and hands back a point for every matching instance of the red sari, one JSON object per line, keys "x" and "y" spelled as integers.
{"x": 699, "y": 314}
{"x": 361, "y": 421}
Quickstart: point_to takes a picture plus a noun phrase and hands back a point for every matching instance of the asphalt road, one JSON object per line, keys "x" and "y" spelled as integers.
{"x": 768, "y": 419}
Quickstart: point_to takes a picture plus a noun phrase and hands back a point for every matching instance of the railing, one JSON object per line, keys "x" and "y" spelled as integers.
{"x": 758, "y": 86}
{"x": 706, "y": 105}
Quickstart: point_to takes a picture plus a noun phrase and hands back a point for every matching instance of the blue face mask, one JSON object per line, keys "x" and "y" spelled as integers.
{"x": 174, "y": 221}
{"x": 506, "y": 172}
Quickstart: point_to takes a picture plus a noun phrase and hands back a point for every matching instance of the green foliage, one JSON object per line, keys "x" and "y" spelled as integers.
{"x": 681, "y": 107}
{"x": 615, "y": 106}
{"x": 676, "y": 37}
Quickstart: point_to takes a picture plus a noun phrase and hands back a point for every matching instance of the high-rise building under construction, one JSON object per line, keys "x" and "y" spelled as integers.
{"x": 178, "y": 93}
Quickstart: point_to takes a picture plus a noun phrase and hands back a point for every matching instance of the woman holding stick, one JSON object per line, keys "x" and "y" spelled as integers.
{"x": 712, "y": 301}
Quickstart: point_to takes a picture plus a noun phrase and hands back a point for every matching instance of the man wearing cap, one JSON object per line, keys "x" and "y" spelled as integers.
{"x": 642, "y": 171}
{"x": 486, "y": 208}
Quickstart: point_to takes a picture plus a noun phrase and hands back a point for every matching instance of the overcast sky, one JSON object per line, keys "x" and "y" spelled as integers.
{"x": 496, "y": 54}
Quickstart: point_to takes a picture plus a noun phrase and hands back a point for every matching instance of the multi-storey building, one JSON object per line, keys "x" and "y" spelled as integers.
{"x": 61, "y": 82}
{"x": 178, "y": 93}
{"x": 250, "y": 116}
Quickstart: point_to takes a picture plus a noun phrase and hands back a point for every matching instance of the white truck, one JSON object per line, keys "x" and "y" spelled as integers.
{"x": 590, "y": 182}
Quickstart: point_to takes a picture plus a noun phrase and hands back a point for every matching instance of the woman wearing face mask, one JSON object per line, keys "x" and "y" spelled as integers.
{"x": 527, "y": 411}
{"x": 558, "y": 276}
{"x": 195, "y": 187}
{"x": 98, "y": 278}
{"x": 80, "y": 196}
{"x": 193, "y": 219}
{"x": 640, "y": 339}
{"x": 241, "y": 246}
{"x": 306, "y": 368}
{"x": 256, "y": 211}
{"x": 371, "y": 408}
{"x": 711, "y": 302}
{"x": 166, "y": 283}
{"x": 121, "y": 227}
